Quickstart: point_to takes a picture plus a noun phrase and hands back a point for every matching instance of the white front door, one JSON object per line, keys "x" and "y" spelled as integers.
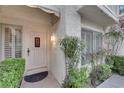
{"x": 36, "y": 50}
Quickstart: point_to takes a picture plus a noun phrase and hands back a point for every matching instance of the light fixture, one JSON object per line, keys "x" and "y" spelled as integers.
{"x": 53, "y": 40}
{"x": 53, "y": 37}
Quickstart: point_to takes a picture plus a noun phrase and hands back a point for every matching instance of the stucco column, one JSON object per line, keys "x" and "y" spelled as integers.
{"x": 68, "y": 25}
{"x": 72, "y": 23}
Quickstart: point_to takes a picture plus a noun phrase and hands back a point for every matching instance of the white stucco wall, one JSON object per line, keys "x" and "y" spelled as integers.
{"x": 73, "y": 21}
{"x": 57, "y": 63}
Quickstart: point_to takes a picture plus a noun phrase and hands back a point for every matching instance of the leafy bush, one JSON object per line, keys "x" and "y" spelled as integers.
{"x": 11, "y": 72}
{"x": 109, "y": 61}
{"x": 103, "y": 72}
{"x": 118, "y": 64}
{"x": 72, "y": 47}
{"x": 76, "y": 79}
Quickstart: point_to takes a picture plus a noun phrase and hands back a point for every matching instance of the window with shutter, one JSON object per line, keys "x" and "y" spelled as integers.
{"x": 8, "y": 43}
{"x": 18, "y": 43}
{"x": 12, "y": 41}
{"x": 93, "y": 41}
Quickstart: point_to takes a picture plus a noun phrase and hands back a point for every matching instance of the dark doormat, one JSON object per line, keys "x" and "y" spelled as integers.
{"x": 36, "y": 77}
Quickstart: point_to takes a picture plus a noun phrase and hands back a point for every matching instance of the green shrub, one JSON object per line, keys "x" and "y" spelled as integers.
{"x": 11, "y": 72}
{"x": 109, "y": 61}
{"x": 72, "y": 47}
{"x": 76, "y": 79}
{"x": 118, "y": 64}
{"x": 103, "y": 72}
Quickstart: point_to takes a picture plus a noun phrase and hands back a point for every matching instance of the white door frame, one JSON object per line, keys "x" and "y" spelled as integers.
{"x": 39, "y": 68}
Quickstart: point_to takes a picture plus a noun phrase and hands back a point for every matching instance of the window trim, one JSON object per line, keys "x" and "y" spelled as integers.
{"x": 90, "y": 29}
{"x": 3, "y": 25}
{"x": 93, "y": 31}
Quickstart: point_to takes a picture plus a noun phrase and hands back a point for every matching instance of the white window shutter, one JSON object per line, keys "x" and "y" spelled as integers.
{"x": 8, "y": 43}
{"x": 18, "y": 43}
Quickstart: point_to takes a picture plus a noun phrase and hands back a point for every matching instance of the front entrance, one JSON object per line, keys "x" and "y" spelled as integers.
{"x": 36, "y": 50}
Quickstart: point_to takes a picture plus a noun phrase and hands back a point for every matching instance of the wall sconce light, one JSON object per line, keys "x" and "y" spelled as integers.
{"x": 53, "y": 39}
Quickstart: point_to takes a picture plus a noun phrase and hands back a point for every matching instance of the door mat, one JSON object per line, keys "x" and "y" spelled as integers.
{"x": 36, "y": 77}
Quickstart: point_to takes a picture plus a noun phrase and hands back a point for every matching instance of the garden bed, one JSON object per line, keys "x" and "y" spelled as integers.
{"x": 11, "y": 72}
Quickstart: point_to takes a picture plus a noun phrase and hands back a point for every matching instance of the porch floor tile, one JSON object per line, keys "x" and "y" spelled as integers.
{"x": 115, "y": 81}
{"x": 48, "y": 82}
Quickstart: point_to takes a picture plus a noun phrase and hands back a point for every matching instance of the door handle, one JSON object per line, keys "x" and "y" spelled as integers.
{"x": 28, "y": 51}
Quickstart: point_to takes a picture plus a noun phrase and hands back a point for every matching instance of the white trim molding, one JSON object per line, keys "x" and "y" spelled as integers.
{"x": 49, "y": 9}
{"x": 107, "y": 11}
